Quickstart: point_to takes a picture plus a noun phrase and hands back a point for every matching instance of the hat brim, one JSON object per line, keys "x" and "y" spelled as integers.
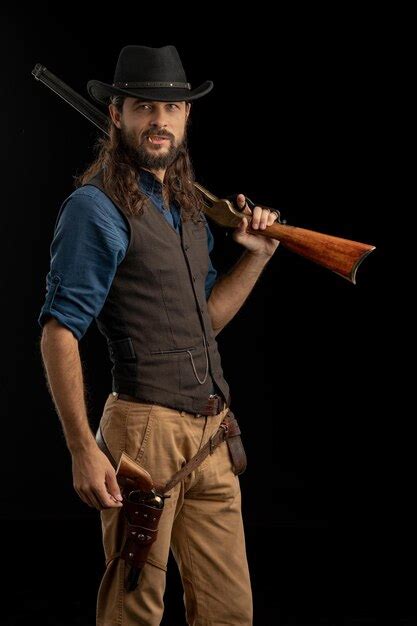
{"x": 101, "y": 92}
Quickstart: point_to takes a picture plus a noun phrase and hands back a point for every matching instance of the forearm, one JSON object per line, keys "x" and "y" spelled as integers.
{"x": 232, "y": 289}
{"x": 63, "y": 370}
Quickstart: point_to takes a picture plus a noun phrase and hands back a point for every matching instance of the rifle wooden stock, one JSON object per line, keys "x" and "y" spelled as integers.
{"x": 342, "y": 256}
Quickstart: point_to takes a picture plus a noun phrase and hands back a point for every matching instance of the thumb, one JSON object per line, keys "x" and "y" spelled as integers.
{"x": 243, "y": 224}
{"x": 242, "y": 204}
{"x": 112, "y": 485}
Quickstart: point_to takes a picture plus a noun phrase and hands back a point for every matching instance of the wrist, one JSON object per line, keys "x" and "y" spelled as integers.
{"x": 259, "y": 254}
{"x": 84, "y": 446}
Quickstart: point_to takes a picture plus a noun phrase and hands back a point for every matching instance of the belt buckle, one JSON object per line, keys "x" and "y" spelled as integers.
{"x": 216, "y": 402}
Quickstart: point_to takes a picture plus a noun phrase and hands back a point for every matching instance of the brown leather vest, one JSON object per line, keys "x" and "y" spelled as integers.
{"x": 155, "y": 316}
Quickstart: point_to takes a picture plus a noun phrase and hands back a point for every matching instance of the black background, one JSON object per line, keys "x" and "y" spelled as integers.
{"x": 315, "y": 364}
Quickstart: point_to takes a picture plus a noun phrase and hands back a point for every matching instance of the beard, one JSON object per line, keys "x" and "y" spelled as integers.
{"x": 136, "y": 148}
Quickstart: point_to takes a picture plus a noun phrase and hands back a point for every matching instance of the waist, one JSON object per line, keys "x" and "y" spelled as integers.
{"x": 212, "y": 405}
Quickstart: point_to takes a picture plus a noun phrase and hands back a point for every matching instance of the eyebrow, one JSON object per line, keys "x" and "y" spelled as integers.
{"x": 152, "y": 102}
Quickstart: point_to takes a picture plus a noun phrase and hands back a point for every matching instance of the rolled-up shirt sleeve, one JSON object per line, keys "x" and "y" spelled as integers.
{"x": 87, "y": 246}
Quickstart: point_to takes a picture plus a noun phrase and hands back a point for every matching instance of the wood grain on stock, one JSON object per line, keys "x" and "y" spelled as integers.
{"x": 342, "y": 256}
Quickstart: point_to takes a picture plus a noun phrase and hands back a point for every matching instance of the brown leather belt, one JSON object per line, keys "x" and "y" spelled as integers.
{"x": 212, "y": 406}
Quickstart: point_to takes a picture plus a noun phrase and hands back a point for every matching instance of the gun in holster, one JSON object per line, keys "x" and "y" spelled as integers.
{"x": 142, "y": 508}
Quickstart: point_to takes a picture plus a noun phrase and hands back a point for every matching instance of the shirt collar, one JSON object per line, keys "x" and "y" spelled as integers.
{"x": 149, "y": 183}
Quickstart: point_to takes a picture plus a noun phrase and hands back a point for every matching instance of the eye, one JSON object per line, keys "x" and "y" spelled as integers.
{"x": 142, "y": 106}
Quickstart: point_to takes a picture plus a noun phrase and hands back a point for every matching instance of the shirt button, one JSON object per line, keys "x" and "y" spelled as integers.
{"x": 56, "y": 279}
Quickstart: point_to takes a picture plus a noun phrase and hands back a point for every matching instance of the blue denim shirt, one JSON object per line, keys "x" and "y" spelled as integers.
{"x": 90, "y": 240}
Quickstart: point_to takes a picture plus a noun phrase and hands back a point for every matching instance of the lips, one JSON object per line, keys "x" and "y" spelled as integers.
{"x": 157, "y": 139}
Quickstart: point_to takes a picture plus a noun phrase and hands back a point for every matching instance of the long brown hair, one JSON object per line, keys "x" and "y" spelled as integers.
{"x": 121, "y": 174}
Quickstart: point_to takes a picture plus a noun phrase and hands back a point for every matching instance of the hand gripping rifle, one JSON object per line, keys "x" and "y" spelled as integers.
{"x": 339, "y": 255}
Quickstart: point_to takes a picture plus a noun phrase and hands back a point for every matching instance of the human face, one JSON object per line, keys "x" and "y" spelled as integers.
{"x": 153, "y": 131}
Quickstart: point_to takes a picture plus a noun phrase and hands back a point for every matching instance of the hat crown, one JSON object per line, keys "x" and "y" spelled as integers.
{"x": 149, "y": 73}
{"x": 142, "y": 63}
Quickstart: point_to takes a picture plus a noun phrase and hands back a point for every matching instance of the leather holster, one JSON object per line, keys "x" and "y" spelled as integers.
{"x": 235, "y": 445}
{"x": 142, "y": 511}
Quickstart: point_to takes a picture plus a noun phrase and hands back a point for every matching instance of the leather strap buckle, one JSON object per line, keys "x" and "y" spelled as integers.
{"x": 213, "y": 444}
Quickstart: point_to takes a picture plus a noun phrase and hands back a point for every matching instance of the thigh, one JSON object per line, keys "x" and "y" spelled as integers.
{"x": 144, "y": 605}
{"x": 208, "y": 543}
{"x": 135, "y": 428}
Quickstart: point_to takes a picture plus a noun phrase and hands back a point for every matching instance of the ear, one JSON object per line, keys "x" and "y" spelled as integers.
{"x": 115, "y": 115}
{"x": 187, "y": 109}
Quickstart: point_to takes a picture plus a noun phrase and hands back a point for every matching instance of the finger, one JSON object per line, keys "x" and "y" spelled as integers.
{"x": 243, "y": 224}
{"x": 86, "y": 497}
{"x": 263, "y": 222}
{"x": 96, "y": 502}
{"x": 272, "y": 217}
{"x": 112, "y": 485}
{"x": 242, "y": 204}
{"x": 256, "y": 217}
{"x": 83, "y": 498}
{"x": 105, "y": 500}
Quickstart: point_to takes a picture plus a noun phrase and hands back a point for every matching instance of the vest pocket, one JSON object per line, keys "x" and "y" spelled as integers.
{"x": 174, "y": 351}
{"x": 122, "y": 350}
{"x": 186, "y": 351}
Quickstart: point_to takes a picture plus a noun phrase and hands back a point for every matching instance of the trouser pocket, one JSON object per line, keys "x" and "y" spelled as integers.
{"x": 126, "y": 427}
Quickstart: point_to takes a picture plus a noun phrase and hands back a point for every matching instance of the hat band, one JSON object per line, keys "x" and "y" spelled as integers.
{"x": 153, "y": 84}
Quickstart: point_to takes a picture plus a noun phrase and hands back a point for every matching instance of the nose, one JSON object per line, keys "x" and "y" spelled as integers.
{"x": 158, "y": 119}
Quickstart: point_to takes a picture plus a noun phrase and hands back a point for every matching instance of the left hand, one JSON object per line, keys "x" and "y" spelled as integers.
{"x": 261, "y": 218}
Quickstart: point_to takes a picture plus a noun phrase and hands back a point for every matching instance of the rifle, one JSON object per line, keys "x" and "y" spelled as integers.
{"x": 342, "y": 256}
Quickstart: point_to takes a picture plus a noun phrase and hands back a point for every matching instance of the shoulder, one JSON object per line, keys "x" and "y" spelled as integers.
{"x": 90, "y": 197}
{"x": 89, "y": 204}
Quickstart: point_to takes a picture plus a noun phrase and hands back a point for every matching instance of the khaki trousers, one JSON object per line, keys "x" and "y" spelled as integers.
{"x": 201, "y": 522}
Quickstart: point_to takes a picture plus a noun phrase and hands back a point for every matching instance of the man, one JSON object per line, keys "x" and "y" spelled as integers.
{"x": 131, "y": 250}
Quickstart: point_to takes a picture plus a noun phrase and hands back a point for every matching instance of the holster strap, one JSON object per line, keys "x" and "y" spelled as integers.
{"x": 228, "y": 428}
{"x": 228, "y": 431}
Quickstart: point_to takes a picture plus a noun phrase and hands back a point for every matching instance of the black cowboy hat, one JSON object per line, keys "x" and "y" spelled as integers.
{"x": 149, "y": 73}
